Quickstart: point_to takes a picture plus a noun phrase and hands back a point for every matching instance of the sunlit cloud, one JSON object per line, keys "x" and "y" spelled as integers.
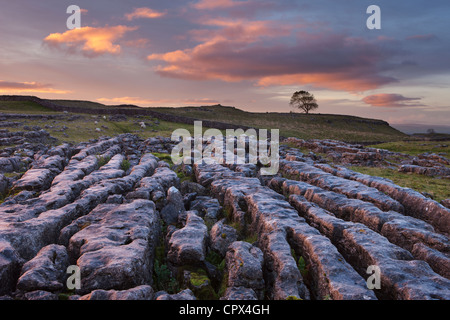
{"x": 9, "y": 87}
{"x": 216, "y": 4}
{"x": 91, "y": 41}
{"x": 254, "y": 50}
{"x": 157, "y": 102}
{"x": 391, "y": 100}
{"x": 422, "y": 37}
{"x": 144, "y": 13}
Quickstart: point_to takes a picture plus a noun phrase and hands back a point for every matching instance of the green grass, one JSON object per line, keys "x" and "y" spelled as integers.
{"x": 438, "y": 188}
{"x": 164, "y": 157}
{"x": 125, "y": 165}
{"x": 312, "y": 126}
{"x": 102, "y": 160}
{"x": 23, "y": 107}
{"x": 416, "y": 147}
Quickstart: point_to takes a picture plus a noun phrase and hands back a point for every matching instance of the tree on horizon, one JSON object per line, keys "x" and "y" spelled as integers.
{"x": 303, "y": 100}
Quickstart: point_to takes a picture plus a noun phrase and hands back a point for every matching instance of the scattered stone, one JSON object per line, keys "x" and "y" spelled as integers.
{"x": 244, "y": 264}
{"x": 46, "y": 271}
{"x": 143, "y": 292}
{"x": 187, "y": 246}
{"x": 186, "y": 294}
{"x": 221, "y": 236}
{"x": 174, "y": 206}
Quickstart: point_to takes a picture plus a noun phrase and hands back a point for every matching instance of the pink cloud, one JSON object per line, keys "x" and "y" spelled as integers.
{"x": 145, "y": 13}
{"x": 254, "y": 50}
{"x": 157, "y": 102}
{"x": 215, "y": 4}
{"x": 93, "y": 41}
{"x": 391, "y": 100}
{"x": 30, "y": 87}
{"x": 422, "y": 37}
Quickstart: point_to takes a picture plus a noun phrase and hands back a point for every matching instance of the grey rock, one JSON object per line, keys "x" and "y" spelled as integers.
{"x": 115, "y": 198}
{"x": 174, "y": 206}
{"x": 10, "y": 264}
{"x": 114, "y": 245}
{"x": 4, "y": 184}
{"x": 401, "y": 276}
{"x": 244, "y": 264}
{"x": 187, "y": 246}
{"x": 208, "y": 208}
{"x": 46, "y": 271}
{"x": 192, "y": 187}
{"x": 239, "y": 293}
{"x": 446, "y": 203}
{"x": 40, "y": 295}
{"x": 143, "y": 292}
{"x": 186, "y": 294}
{"x": 221, "y": 236}
{"x": 437, "y": 260}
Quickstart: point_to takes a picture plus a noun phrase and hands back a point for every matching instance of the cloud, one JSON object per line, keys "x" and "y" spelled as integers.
{"x": 264, "y": 52}
{"x": 391, "y": 100}
{"x": 157, "y": 102}
{"x": 216, "y": 4}
{"x": 31, "y": 87}
{"x": 91, "y": 41}
{"x": 422, "y": 37}
{"x": 145, "y": 13}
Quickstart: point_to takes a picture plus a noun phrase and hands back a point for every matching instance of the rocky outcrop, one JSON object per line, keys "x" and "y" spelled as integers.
{"x": 415, "y": 204}
{"x": 119, "y": 213}
{"x": 187, "y": 246}
{"x": 113, "y": 245}
{"x": 221, "y": 236}
{"x": 46, "y": 271}
{"x": 402, "y": 277}
{"x": 244, "y": 263}
{"x": 143, "y": 292}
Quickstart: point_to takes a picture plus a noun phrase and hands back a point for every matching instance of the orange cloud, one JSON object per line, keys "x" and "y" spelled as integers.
{"x": 30, "y": 87}
{"x": 422, "y": 37}
{"x": 93, "y": 41}
{"x": 334, "y": 81}
{"x": 390, "y": 100}
{"x": 145, "y": 13}
{"x": 156, "y": 102}
{"x": 255, "y": 50}
{"x": 214, "y": 4}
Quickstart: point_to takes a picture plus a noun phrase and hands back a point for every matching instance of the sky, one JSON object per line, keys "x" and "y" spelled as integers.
{"x": 250, "y": 54}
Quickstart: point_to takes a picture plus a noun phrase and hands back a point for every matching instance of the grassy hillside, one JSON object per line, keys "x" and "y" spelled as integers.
{"x": 312, "y": 126}
{"x": 23, "y": 107}
{"x": 81, "y": 127}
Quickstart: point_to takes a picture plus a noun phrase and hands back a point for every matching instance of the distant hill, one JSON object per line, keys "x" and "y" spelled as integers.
{"x": 421, "y": 128}
{"x": 312, "y": 126}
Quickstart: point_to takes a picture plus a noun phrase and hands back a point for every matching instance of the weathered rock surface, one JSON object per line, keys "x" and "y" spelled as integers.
{"x": 113, "y": 208}
{"x": 187, "y": 246}
{"x": 186, "y": 294}
{"x": 244, "y": 264}
{"x": 143, "y": 292}
{"x": 174, "y": 206}
{"x": 221, "y": 236}
{"x": 401, "y": 276}
{"x": 114, "y": 245}
{"x": 46, "y": 271}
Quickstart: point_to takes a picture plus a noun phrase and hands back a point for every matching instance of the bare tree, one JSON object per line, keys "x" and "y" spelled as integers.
{"x": 303, "y": 100}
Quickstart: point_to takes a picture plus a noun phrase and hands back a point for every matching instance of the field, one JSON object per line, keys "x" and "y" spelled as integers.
{"x": 312, "y": 126}
{"x": 79, "y": 127}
